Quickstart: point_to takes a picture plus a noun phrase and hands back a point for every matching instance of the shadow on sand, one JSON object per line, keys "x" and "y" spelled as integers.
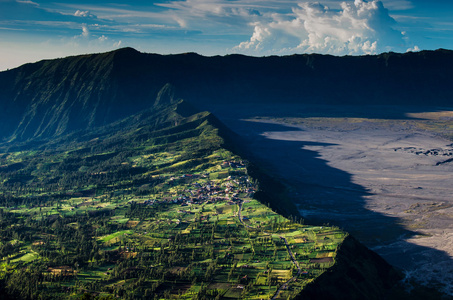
{"x": 326, "y": 195}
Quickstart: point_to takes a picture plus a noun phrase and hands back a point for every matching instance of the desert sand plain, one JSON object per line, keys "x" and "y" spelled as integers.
{"x": 384, "y": 174}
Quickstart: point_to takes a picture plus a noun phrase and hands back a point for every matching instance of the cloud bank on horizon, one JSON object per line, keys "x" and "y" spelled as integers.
{"x": 33, "y": 30}
{"x": 357, "y": 28}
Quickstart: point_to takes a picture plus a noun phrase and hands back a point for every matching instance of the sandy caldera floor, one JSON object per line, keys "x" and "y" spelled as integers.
{"x": 382, "y": 174}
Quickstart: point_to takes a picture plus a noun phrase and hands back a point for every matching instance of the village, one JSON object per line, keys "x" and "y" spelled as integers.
{"x": 190, "y": 231}
{"x": 189, "y": 189}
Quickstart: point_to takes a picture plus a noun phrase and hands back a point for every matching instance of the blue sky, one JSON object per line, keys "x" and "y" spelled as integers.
{"x": 31, "y": 30}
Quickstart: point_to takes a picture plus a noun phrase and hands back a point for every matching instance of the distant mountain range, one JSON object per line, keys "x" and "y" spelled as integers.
{"x": 51, "y": 98}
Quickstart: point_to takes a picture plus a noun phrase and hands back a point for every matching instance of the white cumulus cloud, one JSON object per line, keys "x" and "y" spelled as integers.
{"x": 84, "y": 14}
{"x": 413, "y": 49}
{"x": 103, "y": 38}
{"x": 85, "y": 31}
{"x": 358, "y": 27}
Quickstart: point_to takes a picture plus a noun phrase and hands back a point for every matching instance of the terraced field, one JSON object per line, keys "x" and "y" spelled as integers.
{"x": 145, "y": 218}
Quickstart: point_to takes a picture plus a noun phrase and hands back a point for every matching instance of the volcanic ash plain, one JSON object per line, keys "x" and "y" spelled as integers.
{"x": 383, "y": 174}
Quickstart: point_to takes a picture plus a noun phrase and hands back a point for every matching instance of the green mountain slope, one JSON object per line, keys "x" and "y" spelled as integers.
{"x": 146, "y": 207}
{"x": 53, "y": 98}
{"x": 150, "y": 206}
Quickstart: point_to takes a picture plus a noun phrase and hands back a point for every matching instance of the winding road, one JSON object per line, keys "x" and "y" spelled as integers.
{"x": 294, "y": 261}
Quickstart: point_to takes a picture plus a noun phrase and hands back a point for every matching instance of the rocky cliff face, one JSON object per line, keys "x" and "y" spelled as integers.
{"x": 358, "y": 274}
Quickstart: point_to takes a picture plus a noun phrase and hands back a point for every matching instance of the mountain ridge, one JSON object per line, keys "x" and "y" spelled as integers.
{"x": 54, "y": 97}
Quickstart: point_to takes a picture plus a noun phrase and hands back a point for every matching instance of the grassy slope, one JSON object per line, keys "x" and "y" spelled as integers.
{"x": 98, "y": 216}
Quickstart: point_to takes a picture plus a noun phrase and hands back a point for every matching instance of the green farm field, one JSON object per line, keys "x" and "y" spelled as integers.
{"x": 171, "y": 214}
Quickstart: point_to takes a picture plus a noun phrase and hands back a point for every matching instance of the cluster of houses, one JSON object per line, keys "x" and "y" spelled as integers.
{"x": 233, "y": 164}
{"x": 209, "y": 191}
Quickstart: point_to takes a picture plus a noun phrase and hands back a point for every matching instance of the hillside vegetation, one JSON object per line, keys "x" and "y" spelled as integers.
{"x": 159, "y": 209}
